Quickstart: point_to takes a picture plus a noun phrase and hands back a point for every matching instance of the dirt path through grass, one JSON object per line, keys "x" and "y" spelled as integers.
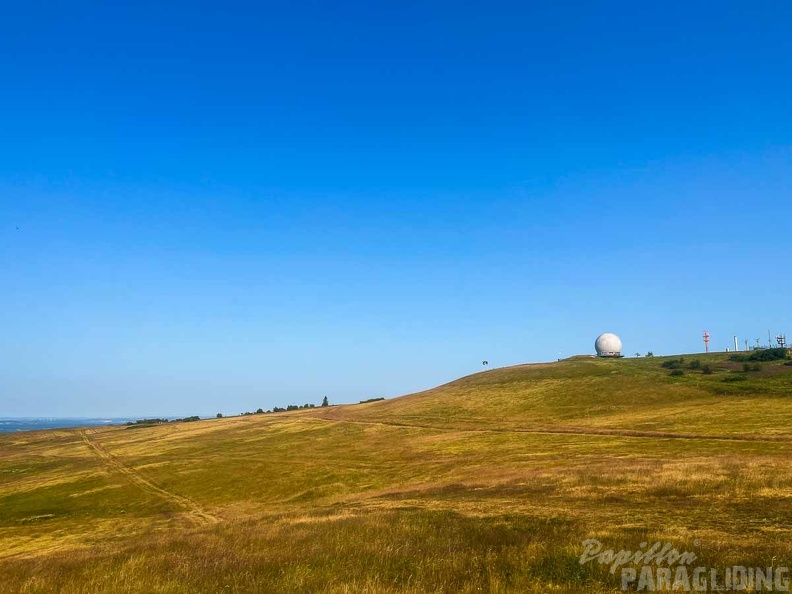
{"x": 566, "y": 431}
{"x": 191, "y": 508}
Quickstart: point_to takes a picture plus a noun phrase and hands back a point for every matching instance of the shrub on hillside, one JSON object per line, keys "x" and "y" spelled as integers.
{"x": 676, "y": 373}
{"x": 734, "y": 378}
{"x": 673, "y": 363}
{"x": 763, "y": 355}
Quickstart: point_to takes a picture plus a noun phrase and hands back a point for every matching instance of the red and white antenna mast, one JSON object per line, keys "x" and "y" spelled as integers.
{"x": 706, "y": 341}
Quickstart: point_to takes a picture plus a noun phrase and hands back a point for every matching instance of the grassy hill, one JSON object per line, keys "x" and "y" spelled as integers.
{"x": 487, "y": 484}
{"x": 585, "y": 392}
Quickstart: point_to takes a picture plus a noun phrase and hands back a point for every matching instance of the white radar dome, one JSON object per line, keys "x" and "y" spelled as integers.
{"x": 608, "y": 345}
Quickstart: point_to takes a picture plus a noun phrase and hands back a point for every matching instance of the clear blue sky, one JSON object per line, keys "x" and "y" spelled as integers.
{"x": 223, "y": 206}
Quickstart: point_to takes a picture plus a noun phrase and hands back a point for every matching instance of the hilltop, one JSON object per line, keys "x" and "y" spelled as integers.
{"x": 488, "y": 483}
{"x": 700, "y": 394}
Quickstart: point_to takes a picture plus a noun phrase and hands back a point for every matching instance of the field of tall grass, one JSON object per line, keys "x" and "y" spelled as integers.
{"x": 488, "y": 484}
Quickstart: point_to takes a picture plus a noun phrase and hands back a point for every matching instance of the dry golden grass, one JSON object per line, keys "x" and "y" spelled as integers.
{"x": 487, "y": 484}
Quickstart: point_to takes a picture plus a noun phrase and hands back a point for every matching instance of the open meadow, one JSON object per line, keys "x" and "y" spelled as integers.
{"x": 488, "y": 484}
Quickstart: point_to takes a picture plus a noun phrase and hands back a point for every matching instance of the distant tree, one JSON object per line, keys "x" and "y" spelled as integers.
{"x": 148, "y": 422}
{"x": 259, "y": 411}
{"x": 325, "y": 402}
{"x": 637, "y": 354}
{"x": 650, "y": 354}
{"x": 219, "y": 415}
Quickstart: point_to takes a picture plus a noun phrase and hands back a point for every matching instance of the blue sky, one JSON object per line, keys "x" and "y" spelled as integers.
{"x": 227, "y": 206}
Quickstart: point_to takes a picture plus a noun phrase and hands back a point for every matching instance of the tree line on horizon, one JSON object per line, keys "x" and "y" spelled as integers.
{"x": 144, "y": 422}
{"x": 259, "y": 411}
{"x": 278, "y": 409}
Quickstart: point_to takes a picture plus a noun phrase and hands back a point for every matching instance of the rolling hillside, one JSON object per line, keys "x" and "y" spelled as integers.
{"x": 486, "y": 484}
{"x": 589, "y": 393}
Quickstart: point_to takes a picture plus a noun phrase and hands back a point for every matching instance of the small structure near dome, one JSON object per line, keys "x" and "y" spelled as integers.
{"x": 608, "y": 345}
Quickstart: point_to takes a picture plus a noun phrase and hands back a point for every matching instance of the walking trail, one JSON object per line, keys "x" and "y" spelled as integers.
{"x": 190, "y": 507}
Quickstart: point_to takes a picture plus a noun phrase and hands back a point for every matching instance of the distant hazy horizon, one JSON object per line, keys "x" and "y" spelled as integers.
{"x": 13, "y": 424}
